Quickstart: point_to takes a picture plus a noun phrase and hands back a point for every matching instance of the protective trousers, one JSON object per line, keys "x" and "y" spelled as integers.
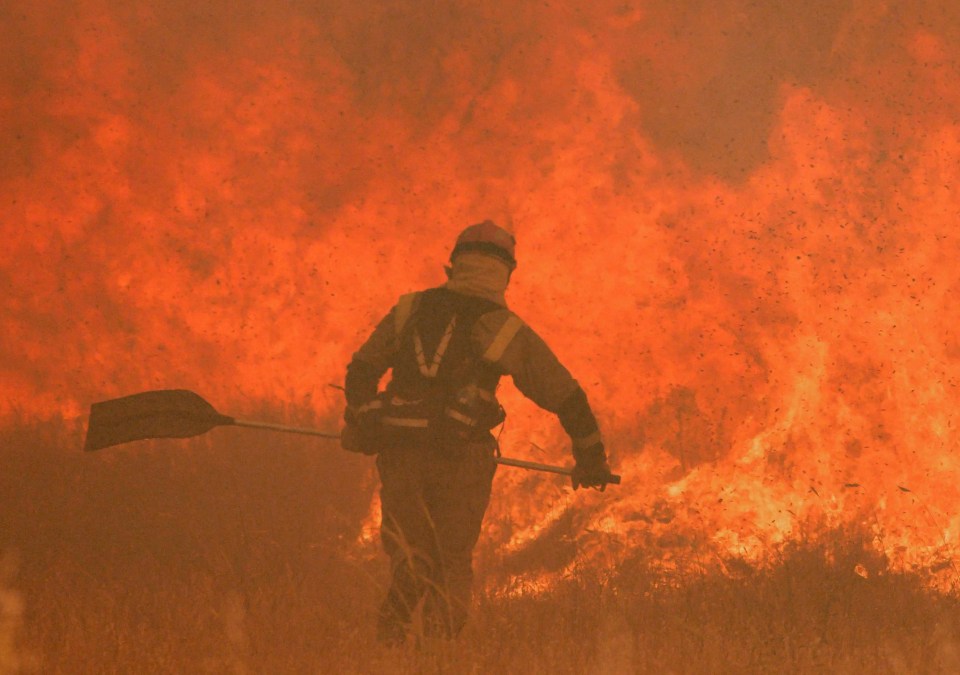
{"x": 432, "y": 504}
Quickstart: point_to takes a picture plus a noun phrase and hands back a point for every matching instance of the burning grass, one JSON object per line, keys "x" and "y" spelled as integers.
{"x": 238, "y": 553}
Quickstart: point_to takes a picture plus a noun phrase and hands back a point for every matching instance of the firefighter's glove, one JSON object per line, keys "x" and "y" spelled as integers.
{"x": 591, "y": 469}
{"x": 362, "y": 431}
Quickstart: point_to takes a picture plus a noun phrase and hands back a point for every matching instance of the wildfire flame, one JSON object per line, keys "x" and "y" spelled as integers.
{"x": 736, "y": 225}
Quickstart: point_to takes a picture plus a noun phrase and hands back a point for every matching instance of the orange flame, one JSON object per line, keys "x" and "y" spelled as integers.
{"x": 735, "y": 226}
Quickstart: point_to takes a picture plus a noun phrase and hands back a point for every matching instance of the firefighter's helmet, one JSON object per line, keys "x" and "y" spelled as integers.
{"x": 487, "y": 237}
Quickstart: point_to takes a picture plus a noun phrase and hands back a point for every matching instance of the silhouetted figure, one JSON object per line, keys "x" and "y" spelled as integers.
{"x": 448, "y": 348}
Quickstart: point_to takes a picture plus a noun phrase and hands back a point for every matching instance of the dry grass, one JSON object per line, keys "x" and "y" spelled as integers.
{"x": 235, "y": 554}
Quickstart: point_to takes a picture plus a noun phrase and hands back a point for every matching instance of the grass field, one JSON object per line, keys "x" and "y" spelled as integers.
{"x": 238, "y": 553}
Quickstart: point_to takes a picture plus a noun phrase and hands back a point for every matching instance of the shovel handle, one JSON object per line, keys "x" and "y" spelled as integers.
{"x": 549, "y": 468}
{"x": 282, "y": 427}
{"x": 521, "y": 463}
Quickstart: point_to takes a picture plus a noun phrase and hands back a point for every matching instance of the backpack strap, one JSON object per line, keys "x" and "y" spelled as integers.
{"x": 401, "y": 316}
{"x": 431, "y": 370}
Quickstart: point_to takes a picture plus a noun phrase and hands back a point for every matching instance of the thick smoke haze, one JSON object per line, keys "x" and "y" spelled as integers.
{"x": 736, "y": 220}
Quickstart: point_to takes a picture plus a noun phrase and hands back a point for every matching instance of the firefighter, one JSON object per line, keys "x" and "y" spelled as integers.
{"x": 431, "y": 427}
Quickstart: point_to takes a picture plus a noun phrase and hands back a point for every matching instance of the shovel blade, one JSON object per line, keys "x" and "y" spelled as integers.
{"x": 166, "y": 413}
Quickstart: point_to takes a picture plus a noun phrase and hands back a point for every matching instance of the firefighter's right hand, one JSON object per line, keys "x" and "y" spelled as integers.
{"x": 591, "y": 469}
{"x": 360, "y": 433}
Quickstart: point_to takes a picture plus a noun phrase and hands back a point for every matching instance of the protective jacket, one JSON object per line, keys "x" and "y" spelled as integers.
{"x": 464, "y": 336}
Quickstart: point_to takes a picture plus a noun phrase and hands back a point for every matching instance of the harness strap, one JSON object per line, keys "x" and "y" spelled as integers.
{"x": 375, "y": 404}
{"x": 487, "y": 396}
{"x": 409, "y": 422}
{"x": 431, "y": 370}
{"x": 460, "y": 417}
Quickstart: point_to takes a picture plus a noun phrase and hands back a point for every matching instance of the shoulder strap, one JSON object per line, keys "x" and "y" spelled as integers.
{"x": 405, "y": 307}
{"x": 503, "y": 338}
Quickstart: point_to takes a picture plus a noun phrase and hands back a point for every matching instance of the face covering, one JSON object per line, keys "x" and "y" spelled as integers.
{"x": 479, "y": 275}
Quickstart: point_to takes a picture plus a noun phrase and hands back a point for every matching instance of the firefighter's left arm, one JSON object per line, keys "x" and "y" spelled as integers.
{"x": 504, "y": 339}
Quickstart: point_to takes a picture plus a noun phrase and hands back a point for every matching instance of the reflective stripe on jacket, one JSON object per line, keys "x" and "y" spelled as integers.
{"x": 500, "y": 336}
